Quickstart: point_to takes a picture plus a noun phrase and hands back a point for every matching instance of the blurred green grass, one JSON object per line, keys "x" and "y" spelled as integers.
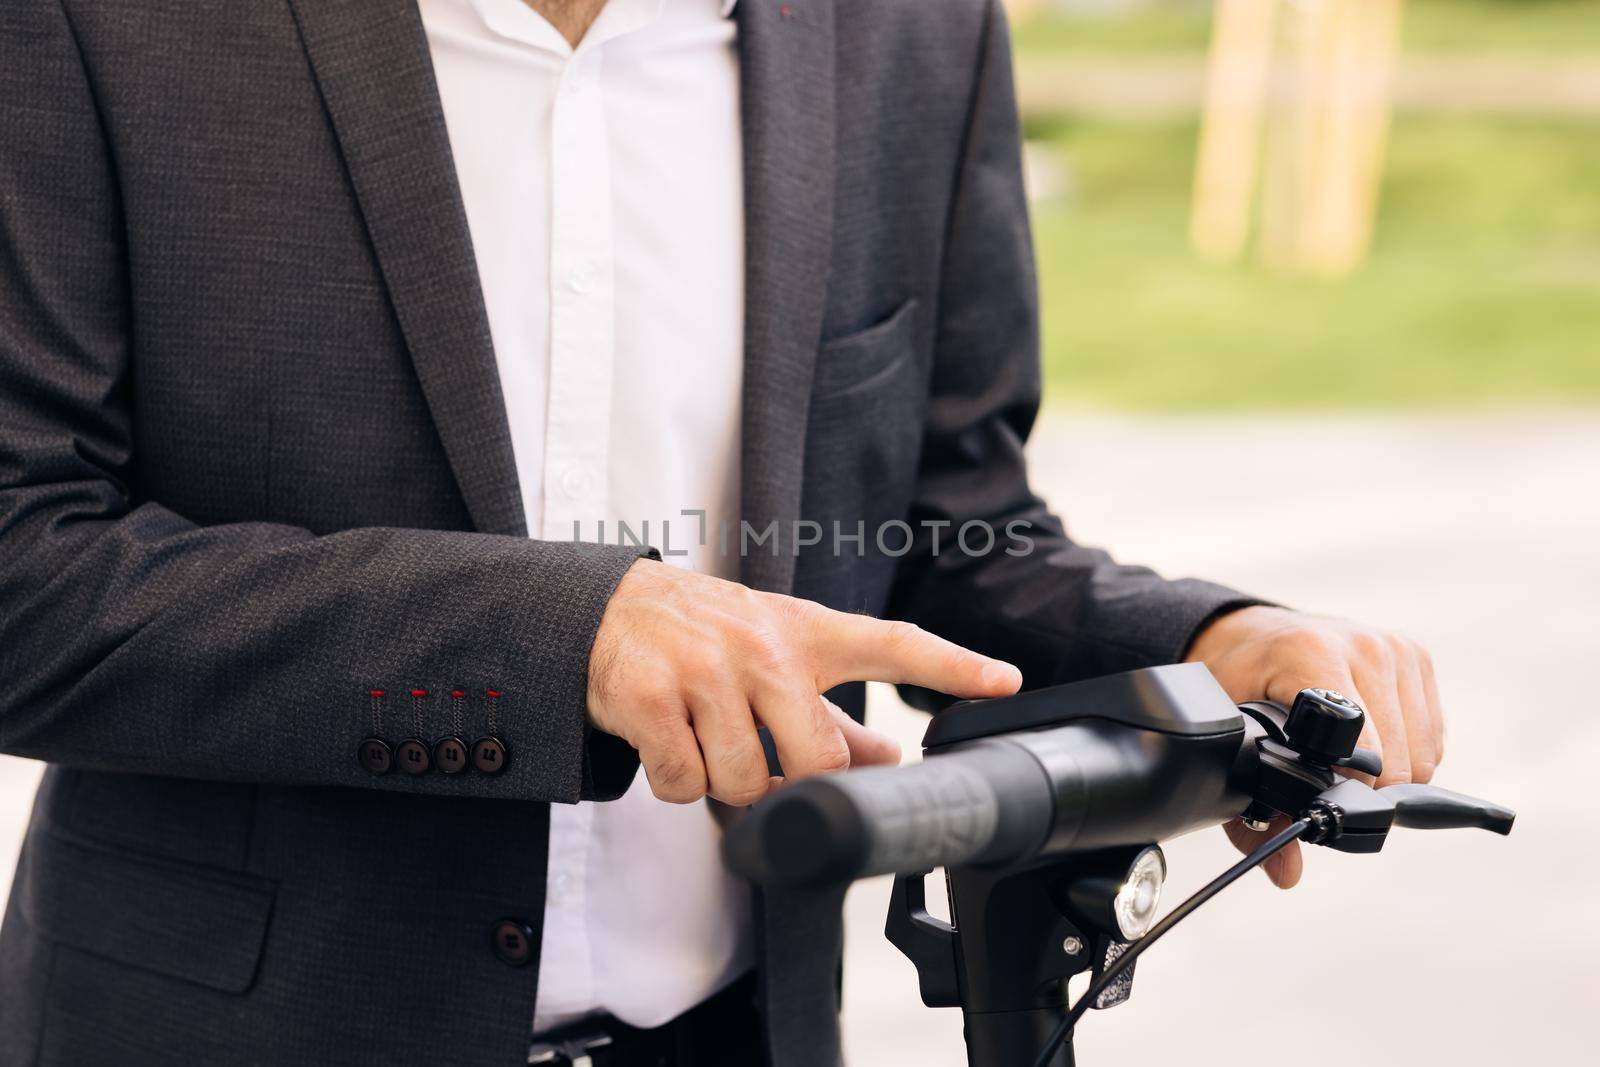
{"x": 1482, "y": 288}
{"x": 1479, "y": 26}
{"x": 1483, "y": 285}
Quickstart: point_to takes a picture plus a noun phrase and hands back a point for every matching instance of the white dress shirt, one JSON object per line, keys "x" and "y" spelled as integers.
{"x": 603, "y": 188}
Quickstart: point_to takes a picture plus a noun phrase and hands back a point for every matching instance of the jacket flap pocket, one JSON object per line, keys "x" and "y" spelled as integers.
{"x": 202, "y": 926}
{"x": 859, "y": 360}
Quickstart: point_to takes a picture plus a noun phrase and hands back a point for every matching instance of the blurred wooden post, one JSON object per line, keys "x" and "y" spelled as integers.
{"x": 1351, "y": 121}
{"x": 1290, "y": 161}
{"x": 1313, "y": 120}
{"x": 1022, "y": 9}
{"x": 1237, "y": 74}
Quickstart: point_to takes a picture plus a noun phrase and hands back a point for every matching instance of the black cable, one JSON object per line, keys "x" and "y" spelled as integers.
{"x": 1181, "y": 912}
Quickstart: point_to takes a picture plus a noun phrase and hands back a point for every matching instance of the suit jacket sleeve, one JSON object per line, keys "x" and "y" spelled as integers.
{"x": 1062, "y": 610}
{"x": 134, "y": 640}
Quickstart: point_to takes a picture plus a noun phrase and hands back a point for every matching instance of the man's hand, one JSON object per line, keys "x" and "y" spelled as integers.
{"x": 686, "y": 666}
{"x": 1270, "y": 653}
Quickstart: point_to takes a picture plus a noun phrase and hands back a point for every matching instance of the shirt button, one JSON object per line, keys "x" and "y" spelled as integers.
{"x": 575, "y": 482}
{"x": 577, "y": 78}
{"x": 513, "y": 942}
{"x": 583, "y": 277}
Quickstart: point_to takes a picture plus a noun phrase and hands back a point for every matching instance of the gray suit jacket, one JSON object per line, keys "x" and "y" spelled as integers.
{"x": 254, "y": 464}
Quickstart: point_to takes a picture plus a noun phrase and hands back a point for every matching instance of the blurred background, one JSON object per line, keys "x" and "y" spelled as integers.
{"x": 1321, "y": 286}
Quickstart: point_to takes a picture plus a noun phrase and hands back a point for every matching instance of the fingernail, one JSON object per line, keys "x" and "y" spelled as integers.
{"x": 998, "y": 674}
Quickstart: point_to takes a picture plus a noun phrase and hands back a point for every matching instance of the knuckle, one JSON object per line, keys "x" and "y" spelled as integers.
{"x": 660, "y": 706}
{"x": 741, "y": 774}
{"x": 674, "y": 794}
{"x": 1422, "y": 770}
{"x": 1401, "y": 648}
{"x": 760, "y": 644}
{"x": 1373, "y": 647}
{"x": 832, "y": 754}
{"x": 673, "y": 768}
{"x": 1399, "y": 774}
{"x": 1306, "y": 643}
{"x": 901, "y": 636}
{"x": 833, "y": 761}
{"x": 676, "y": 778}
{"x": 784, "y": 608}
{"x": 703, "y": 662}
{"x": 743, "y": 794}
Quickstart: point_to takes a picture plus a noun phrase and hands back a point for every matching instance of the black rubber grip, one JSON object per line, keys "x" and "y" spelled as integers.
{"x": 989, "y": 801}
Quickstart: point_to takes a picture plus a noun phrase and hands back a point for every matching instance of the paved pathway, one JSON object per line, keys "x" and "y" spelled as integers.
{"x": 1475, "y": 534}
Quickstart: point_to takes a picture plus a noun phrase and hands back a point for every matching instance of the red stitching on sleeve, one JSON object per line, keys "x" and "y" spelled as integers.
{"x": 416, "y": 711}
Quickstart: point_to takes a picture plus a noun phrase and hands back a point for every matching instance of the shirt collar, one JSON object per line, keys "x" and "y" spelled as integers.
{"x": 517, "y": 21}
{"x": 728, "y": 6}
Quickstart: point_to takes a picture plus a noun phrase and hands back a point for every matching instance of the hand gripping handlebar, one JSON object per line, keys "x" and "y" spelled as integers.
{"x": 1116, "y": 761}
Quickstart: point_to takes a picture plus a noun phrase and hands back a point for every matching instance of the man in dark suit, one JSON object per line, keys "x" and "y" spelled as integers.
{"x": 312, "y": 311}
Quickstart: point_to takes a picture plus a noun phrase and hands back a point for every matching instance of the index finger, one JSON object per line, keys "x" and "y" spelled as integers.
{"x": 859, "y": 648}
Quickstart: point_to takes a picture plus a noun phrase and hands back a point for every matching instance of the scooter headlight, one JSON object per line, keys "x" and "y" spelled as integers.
{"x": 1134, "y": 906}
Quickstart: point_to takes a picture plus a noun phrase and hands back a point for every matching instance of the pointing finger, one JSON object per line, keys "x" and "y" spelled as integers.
{"x": 849, "y": 648}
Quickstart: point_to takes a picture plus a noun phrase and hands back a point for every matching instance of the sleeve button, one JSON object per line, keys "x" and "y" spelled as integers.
{"x": 374, "y": 755}
{"x": 450, "y": 755}
{"x": 489, "y": 755}
{"x": 412, "y": 755}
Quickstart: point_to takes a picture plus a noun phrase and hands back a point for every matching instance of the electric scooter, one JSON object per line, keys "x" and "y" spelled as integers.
{"x": 1047, "y": 810}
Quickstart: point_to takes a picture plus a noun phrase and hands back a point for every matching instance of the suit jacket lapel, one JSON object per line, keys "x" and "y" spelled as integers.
{"x": 371, "y": 62}
{"x": 786, "y": 85}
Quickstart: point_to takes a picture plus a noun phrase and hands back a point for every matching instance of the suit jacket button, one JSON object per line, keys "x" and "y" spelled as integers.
{"x": 450, "y": 755}
{"x": 489, "y": 755}
{"x": 374, "y": 755}
{"x": 513, "y": 942}
{"x": 412, "y": 755}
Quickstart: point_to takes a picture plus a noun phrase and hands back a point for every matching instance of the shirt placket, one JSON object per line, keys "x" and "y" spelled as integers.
{"x": 581, "y": 305}
{"x": 578, "y": 420}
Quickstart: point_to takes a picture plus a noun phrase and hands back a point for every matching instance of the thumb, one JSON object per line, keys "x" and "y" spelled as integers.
{"x": 867, "y": 747}
{"x": 1283, "y": 867}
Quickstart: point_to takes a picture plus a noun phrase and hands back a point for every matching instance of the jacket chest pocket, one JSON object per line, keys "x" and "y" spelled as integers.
{"x": 860, "y": 362}
{"x": 868, "y": 408}
{"x": 868, "y": 401}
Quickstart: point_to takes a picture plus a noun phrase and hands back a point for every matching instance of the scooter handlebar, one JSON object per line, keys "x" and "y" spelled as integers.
{"x": 987, "y": 803}
{"x": 1118, "y": 761}
{"x": 997, "y": 801}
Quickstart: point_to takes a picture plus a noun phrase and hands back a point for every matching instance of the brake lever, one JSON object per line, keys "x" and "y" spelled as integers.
{"x": 1354, "y": 817}
{"x": 1428, "y": 807}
